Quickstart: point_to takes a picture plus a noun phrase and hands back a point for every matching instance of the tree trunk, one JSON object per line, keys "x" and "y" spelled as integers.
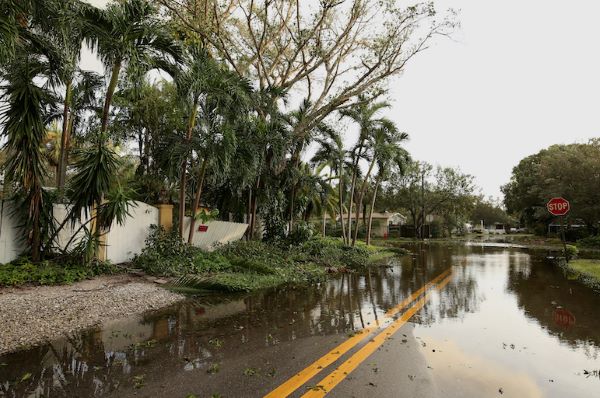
{"x": 249, "y": 214}
{"x": 254, "y": 206}
{"x": 64, "y": 140}
{"x": 110, "y": 91}
{"x": 324, "y": 221}
{"x": 341, "y": 200}
{"x": 368, "y": 241}
{"x": 36, "y": 238}
{"x": 360, "y": 199}
{"x": 183, "y": 178}
{"x": 352, "y": 188}
{"x": 197, "y": 201}
{"x": 294, "y": 188}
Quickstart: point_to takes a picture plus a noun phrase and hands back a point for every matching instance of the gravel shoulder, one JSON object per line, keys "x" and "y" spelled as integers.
{"x": 34, "y": 315}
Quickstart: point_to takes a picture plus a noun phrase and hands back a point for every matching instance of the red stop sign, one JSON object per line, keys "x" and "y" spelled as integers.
{"x": 558, "y": 206}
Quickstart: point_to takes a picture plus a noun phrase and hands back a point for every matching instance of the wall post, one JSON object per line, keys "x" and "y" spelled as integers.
{"x": 165, "y": 216}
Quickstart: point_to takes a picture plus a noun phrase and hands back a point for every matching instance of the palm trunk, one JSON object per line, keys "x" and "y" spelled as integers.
{"x": 254, "y": 206}
{"x": 249, "y": 213}
{"x": 183, "y": 178}
{"x": 352, "y": 189}
{"x": 360, "y": 199}
{"x": 368, "y": 241}
{"x": 293, "y": 195}
{"x": 197, "y": 201}
{"x": 324, "y": 221}
{"x": 350, "y": 199}
{"x": 341, "y": 202}
{"x": 110, "y": 91}
{"x": 64, "y": 140}
{"x": 36, "y": 238}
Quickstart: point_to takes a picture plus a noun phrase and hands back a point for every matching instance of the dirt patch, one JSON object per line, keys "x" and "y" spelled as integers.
{"x": 33, "y": 315}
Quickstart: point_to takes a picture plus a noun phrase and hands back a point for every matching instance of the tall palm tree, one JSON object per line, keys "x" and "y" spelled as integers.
{"x": 24, "y": 118}
{"x": 10, "y": 11}
{"x": 331, "y": 152}
{"x": 387, "y": 151}
{"x": 214, "y": 98}
{"x": 66, "y": 31}
{"x": 364, "y": 115}
{"x": 82, "y": 99}
{"x": 128, "y": 35}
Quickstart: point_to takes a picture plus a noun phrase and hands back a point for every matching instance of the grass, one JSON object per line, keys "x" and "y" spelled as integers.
{"x": 588, "y": 267}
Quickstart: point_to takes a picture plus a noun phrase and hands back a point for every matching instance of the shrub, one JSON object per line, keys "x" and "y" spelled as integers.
{"x": 333, "y": 252}
{"x": 572, "y": 251}
{"x": 50, "y": 272}
{"x": 590, "y": 242}
{"x": 303, "y": 231}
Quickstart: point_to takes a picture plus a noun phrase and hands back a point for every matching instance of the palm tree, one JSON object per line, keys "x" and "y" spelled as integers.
{"x": 10, "y": 11}
{"x": 387, "y": 151}
{"x": 214, "y": 98}
{"x": 363, "y": 114}
{"x": 82, "y": 98}
{"x": 331, "y": 153}
{"x": 128, "y": 35}
{"x": 62, "y": 31}
{"x": 24, "y": 118}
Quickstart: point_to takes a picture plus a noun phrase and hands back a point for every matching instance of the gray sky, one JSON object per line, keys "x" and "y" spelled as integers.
{"x": 520, "y": 75}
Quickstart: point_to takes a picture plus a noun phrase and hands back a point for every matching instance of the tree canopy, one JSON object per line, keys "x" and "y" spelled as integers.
{"x": 571, "y": 171}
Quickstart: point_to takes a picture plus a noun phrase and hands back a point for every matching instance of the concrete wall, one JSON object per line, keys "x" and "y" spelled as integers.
{"x": 125, "y": 241}
{"x": 10, "y": 243}
{"x": 217, "y": 233}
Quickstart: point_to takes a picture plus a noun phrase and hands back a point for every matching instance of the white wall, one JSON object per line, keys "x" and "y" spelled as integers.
{"x": 125, "y": 241}
{"x": 219, "y": 232}
{"x": 10, "y": 243}
{"x": 60, "y": 211}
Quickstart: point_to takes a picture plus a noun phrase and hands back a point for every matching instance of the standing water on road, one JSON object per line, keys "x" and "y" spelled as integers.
{"x": 507, "y": 324}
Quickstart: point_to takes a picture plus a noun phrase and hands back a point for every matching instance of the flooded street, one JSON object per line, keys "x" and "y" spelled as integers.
{"x": 503, "y": 323}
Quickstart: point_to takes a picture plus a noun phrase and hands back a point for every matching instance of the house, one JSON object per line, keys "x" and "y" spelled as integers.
{"x": 380, "y": 221}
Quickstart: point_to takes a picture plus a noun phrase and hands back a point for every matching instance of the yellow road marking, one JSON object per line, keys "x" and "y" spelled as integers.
{"x": 394, "y": 310}
{"x": 339, "y": 374}
{"x": 313, "y": 369}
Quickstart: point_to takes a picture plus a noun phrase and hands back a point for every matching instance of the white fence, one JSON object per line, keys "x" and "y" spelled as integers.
{"x": 214, "y": 233}
{"x": 123, "y": 241}
{"x": 10, "y": 245}
{"x": 127, "y": 240}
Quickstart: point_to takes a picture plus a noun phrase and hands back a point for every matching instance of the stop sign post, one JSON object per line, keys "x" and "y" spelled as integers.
{"x": 559, "y": 207}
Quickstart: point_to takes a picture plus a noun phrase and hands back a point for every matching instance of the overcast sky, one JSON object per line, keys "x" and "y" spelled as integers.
{"x": 519, "y": 75}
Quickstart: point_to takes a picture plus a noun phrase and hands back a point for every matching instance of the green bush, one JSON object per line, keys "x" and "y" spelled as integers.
{"x": 49, "y": 272}
{"x": 572, "y": 251}
{"x": 332, "y": 252}
{"x": 247, "y": 265}
{"x": 303, "y": 231}
{"x": 592, "y": 242}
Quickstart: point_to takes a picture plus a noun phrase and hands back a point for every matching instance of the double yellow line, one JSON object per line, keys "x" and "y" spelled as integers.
{"x": 335, "y": 377}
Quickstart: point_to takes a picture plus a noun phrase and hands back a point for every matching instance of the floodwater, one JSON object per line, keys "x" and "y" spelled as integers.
{"x": 508, "y": 324}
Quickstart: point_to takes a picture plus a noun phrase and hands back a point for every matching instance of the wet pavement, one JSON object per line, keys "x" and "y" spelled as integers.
{"x": 503, "y": 324}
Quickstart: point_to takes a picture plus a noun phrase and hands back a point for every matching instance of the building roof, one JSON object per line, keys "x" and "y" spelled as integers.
{"x": 376, "y": 215}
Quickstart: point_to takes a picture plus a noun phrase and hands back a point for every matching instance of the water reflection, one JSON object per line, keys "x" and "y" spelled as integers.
{"x": 199, "y": 332}
{"x": 561, "y": 306}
